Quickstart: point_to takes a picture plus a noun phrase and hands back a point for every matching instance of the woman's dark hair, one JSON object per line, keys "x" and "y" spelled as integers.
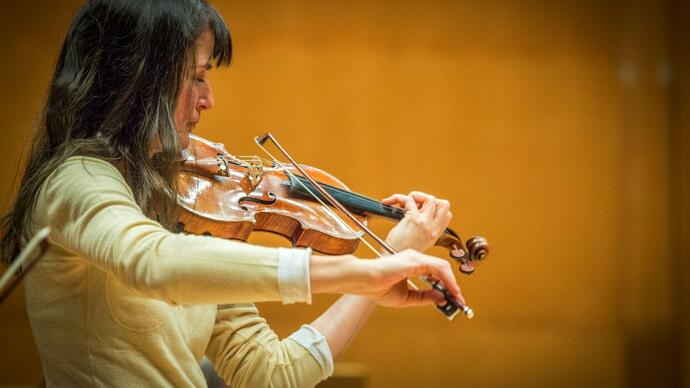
{"x": 114, "y": 94}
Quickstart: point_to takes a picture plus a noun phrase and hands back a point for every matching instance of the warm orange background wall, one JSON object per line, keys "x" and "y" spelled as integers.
{"x": 559, "y": 131}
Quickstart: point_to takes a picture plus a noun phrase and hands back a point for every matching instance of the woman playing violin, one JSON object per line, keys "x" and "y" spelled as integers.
{"x": 119, "y": 299}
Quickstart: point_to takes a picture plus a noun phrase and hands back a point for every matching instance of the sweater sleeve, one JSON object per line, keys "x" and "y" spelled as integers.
{"x": 92, "y": 213}
{"x": 247, "y": 353}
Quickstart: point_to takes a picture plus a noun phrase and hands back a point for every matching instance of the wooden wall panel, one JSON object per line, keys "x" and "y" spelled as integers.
{"x": 680, "y": 11}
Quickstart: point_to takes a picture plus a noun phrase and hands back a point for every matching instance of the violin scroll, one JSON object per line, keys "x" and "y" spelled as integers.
{"x": 478, "y": 248}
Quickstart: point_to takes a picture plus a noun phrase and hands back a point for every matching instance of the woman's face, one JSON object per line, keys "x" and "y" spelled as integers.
{"x": 196, "y": 94}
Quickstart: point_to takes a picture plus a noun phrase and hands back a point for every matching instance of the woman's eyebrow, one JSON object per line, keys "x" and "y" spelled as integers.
{"x": 209, "y": 63}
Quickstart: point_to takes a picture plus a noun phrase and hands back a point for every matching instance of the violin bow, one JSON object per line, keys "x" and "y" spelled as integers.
{"x": 31, "y": 254}
{"x": 450, "y": 308}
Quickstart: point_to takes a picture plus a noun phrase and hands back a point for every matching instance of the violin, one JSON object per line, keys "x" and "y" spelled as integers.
{"x": 229, "y": 196}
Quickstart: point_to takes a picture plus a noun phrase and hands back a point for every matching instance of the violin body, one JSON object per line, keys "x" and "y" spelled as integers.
{"x": 219, "y": 199}
{"x": 230, "y": 197}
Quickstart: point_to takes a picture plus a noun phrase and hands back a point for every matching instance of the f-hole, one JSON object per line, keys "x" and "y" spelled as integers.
{"x": 270, "y": 201}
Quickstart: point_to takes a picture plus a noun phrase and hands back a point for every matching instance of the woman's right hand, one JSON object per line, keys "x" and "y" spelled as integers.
{"x": 384, "y": 280}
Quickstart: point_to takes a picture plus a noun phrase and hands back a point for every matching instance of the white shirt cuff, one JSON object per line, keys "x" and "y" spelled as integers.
{"x": 315, "y": 344}
{"x": 293, "y": 275}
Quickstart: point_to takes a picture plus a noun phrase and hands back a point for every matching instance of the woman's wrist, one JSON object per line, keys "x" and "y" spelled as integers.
{"x": 338, "y": 274}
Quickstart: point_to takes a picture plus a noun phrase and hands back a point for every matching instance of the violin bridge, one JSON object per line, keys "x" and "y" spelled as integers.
{"x": 255, "y": 172}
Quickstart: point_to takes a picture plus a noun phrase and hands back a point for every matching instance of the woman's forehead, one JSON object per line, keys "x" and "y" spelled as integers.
{"x": 204, "y": 49}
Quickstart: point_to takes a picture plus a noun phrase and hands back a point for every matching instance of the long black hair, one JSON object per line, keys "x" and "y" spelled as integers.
{"x": 114, "y": 94}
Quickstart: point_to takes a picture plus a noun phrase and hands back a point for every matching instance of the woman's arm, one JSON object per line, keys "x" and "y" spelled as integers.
{"x": 245, "y": 352}
{"x": 93, "y": 214}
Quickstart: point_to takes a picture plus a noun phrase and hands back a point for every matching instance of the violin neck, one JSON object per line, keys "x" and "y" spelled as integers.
{"x": 356, "y": 203}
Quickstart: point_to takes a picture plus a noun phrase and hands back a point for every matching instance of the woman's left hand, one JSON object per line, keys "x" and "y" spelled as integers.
{"x": 425, "y": 220}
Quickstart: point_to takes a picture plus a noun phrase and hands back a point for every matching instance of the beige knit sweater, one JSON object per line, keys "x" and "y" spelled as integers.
{"x": 119, "y": 301}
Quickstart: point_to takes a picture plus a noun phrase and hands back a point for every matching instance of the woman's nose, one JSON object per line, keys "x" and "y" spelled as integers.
{"x": 205, "y": 100}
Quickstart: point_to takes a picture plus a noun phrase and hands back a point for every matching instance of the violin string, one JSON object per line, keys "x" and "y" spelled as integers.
{"x": 267, "y": 162}
{"x": 332, "y": 213}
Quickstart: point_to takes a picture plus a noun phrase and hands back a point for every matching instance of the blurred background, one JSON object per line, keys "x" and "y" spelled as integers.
{"x": 560, "y": 131}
